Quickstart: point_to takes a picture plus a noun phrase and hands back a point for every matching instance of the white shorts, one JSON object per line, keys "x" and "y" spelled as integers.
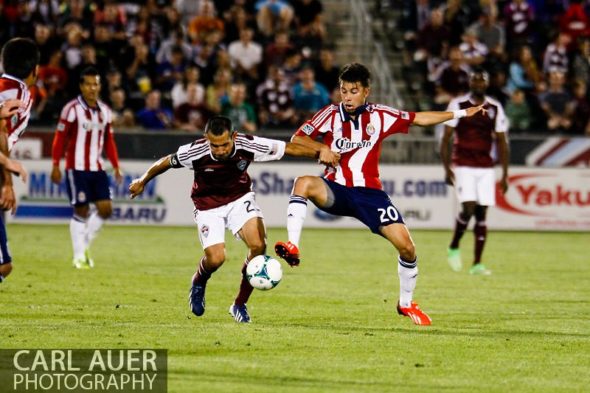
{"x": 475, "y": 185}
{"x": 213, "y": 222}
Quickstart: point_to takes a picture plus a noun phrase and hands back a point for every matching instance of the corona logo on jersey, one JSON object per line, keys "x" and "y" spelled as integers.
{"x": 345, "y": 144}
{"x": 548, "y": 195}
{"x": 45, "y": 200}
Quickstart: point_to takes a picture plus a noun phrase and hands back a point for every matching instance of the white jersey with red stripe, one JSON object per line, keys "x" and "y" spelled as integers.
{"x": 14, "y": 88}
{"x": 357, "y": 140}
{"x": 86, "y": 129}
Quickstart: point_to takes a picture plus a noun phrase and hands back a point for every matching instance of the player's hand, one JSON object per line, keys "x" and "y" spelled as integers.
{"x": 10, "y": 107}
{"x": 476, "y": 109}
{"x": 504, "y": 184}
{"x": 118, "y": 175}
{"x": 7, "y": 199}
{"x": 135, "y": 188}
{"x": 17, "y": 168}
{"x": 329, "y": 157}
{"x": 450, "y": 177}
{"x": 56, "y": 174}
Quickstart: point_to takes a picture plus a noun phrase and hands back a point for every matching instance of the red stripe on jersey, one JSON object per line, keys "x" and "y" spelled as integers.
{"x": 100, "y": 144}
{"x": 344, "y": 163}
{"x": 71, "y": 152}
{"x": 370, "y": 167}
{"x": 87, "y": 151}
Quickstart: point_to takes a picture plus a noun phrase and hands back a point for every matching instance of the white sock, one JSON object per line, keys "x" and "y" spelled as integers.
{"x": 296, "y": 213}
{"x": 78, "y": 234}
{"x": 94, "y": 224}
{"x": 408, "y": 274}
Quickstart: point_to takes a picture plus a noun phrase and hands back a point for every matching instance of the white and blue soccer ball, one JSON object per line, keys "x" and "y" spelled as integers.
{"x": 264, "y": 272}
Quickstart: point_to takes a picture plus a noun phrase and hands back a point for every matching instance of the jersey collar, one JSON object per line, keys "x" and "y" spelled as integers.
{"x": 85, "y": 105}
{"x": 14, "y": 78}
{"x": 345, "y": 116}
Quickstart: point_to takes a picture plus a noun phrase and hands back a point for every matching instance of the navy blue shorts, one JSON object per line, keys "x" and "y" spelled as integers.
{"x": 5, "y": 256}
{"x": 370, "y": 206}
{"x": 87, "y": 186}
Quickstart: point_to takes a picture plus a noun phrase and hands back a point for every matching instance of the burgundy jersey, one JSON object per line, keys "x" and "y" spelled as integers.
{"x": 216, "y": 182}
{"x": 13, "y": 88}
{"x": 358, "y": 141}
{"x": 474, "y": 136}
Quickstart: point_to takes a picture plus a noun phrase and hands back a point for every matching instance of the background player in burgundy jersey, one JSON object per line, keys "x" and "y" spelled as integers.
{"x": 356, "y": 129}
{"x": 473, "y": 165}
{"x": 84, "y": 128}
{"x": 20, "y": 62}
{"x": 223, "y": 197}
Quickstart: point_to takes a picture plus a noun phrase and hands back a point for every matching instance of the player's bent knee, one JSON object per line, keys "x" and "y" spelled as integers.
{"x": 257, "y": 249}
{"x": 407, "y": 251}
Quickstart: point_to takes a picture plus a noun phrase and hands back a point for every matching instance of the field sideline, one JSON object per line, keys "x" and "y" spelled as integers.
{"x": 329, "y": 326}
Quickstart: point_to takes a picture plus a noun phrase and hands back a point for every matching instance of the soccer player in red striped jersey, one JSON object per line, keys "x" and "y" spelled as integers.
{"x": 356, "y": 129}
{"x": 223, "y": 198}
{"x": 83, "y": 131}
{"x": 472, "y": 172}
{"x": 20, "y": 62}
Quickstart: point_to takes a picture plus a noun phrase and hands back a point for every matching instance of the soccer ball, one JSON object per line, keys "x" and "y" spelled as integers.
{"x": 264, "y": 272}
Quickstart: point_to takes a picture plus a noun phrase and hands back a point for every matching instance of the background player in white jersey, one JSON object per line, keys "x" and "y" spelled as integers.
{"x": 84, "y": 128}
{"x": 356, "y": 129}
{"x": 20, "y": 62}
{"x": 223, "y": 197}
{"x": 473, "y": 165}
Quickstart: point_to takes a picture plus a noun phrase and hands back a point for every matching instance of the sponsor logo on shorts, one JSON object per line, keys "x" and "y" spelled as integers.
{"x": 205, "y": 230}
{"x": 81, "y": 196}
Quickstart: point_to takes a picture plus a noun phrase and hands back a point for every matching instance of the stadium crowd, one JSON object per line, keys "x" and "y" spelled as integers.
{"x": 537, "y": 53}
{"x": 172, "y": 64}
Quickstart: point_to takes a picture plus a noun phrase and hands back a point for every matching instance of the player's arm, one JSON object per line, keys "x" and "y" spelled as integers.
{"x": 325, "y": 155}
{"x": 432, "y": 118}
{"x": 162, "y": 165}
{"x": 13, "y": 166}
{"x": 445, "y": 155}
{"x": 10, "y": 107}
{"x": 7, "y": 199}
{"x": 504, "y": 157}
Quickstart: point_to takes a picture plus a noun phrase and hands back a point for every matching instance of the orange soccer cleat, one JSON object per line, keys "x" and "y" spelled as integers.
{"x": 289, "y": 252}
{"x": 418, "y": 316}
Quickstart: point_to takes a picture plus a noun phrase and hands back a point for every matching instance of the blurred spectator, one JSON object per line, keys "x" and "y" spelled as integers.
{"x": 308, "y": 20}
{"x": 457, "y": 16}
{"x": 192, "y": 115}
{"x": 555, "y": 103}
{"x": 581, "y": 109}
{"x": 153, "y": 116}
{"x": 326, "y": 72}
{"x": 245, "y": 55}
{"x": 171, "y": 71}
{"x": 113, "y": 18}
{"x": 238, "y": 110}
{"x": 474, "y": 52}
{"x": 581, "y": 63}
{"x": 179, "y": 91}
{"x": 292, "y": 66}
{"x": 518, "y": 19}
{"x": 518, "y": 112}
{"x": 45, "y": 42}
{"x": 556, "y": 57}
{"x": 45, "y": 11}
{"x": 497, "y": 88}
{"x": 176, "y": 39}
{"x": 87, "y": 58}
{"x": 451, "y": 78}
{"x": 415, "y": 15}
{"x": 205, "y": 22}
{"x": 574, "y": 22}
{"x": 217, "y": 92}
{"x": 72, "y": 46}
{"x": 276, "y": 52}
{"x": 188, "y": 9}
{"x": 113, "y": 81}
{"x": 76, "y": 12}
{"x": 53, "y": 75}
{"x": 275, "y": 105}
{"x": 308, "y": 95}
{"x": 139, "y": 72}
{"x": 491, "y": 34}
{"x": 122, "y": 115}
{"x": 273, "y": 15}
{"x": 237, "y": 20}
{"x": 523, "y": 72}
{"x": 432, "y": 42}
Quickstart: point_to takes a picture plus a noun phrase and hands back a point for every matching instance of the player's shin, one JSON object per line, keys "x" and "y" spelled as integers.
{"x": 460, "y": 227}
{"x": 296, "y": 213}
{"x": 78, "y": 233}
{"x": 245, "y": 287}
{"x": 203, "y": 273}
{"x": 481, "y": 233}
{"x": 95, "y": 223}
{"x": 408, "y": 274}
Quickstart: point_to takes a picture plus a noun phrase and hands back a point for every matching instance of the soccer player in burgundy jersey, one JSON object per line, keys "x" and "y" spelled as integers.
{"x": 20, "y": 62}
{"x": 473, "y": 166}
{"x": 223, "y": 197}
{"x": 83, "y": 130}
{"x": 356, "y": 129}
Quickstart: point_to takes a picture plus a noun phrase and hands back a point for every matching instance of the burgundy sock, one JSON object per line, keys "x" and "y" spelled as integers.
{"x": 202, "y": 275}
{"x": 481, "y": 233}
{"x": 460, "y": 226}
{"x": 245, "y": 287}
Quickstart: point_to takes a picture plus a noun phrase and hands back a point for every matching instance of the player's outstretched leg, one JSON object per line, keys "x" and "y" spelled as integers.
{"x": 196, "y": 297}
{"x": 408, "y": 274}
{"x": 240, "y": 313}
{"x": 453, "y": 252}
{"x": 288, "y": 251}
{"x": 417, "y": 316}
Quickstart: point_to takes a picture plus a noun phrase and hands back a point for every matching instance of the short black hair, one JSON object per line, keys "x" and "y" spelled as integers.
{"x": 479, "y": 71}
{"x": 355, "y": 72}
{"x": 88, "y": 71}
{"x": 20, "y": 56}
{"x": 217, "y": 125}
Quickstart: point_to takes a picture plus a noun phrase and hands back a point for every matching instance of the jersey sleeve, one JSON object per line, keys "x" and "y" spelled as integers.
{"x": 395, "y": 121}
{"x": 62, "y": 131}
{"x": 266, "y": 149}
{"x": 502, "y": 122}
{"x": 184, "y": 156}
{"x": 453, "y": 106}
{"x": 318, "y": 124}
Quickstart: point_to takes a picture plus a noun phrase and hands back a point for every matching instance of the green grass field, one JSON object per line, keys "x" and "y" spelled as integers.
{"x": 329, "y": 326}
